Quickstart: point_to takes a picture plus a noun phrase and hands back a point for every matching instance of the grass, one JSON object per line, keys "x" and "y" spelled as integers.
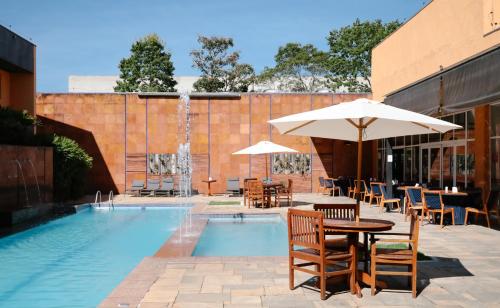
{"x": 420, "y": 256}
{"x": 224, "y": 203}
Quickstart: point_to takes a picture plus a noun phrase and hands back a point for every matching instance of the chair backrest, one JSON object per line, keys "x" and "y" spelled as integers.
{"x": 255, "y": 189}
{"x": 167, "y": 184}
{"x": 414, "y": 195}
{"x": 337, "y": 211}
{"x": 493, "y": 200}
{"x": 233, "y": 184}
{"x": 433, "y": 200}
{"x": 414, "y": 229}
{"x": 376, "y": 188}
{"x": 328, "y": 183}
{"x": 153, "y": 184}
{"x": 137, "y": 184}
{"x": 290, "y": 186}
{"x": 305, "y": 229}
{"x": 364, "y": 186}
{"x": 321, "y": 181}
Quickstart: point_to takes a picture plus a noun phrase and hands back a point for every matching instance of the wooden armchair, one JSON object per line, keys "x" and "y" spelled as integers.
{"x": 285, "y": 193}
{"x": 306, "y": 240}
{"x": 386, "y": 199}
{"x": 396, "y": 256}
{"x": 433, "y": 204}
{"x": 351, "y": 190}
{"x": 363, "y": 189}
{"x": 330, "y": 187}
{"x": 375, "y": 193}
{"x": 491, "y": 205}
{"x": 245, "y": 189}
{"x": 256, "y": 194}
{"x": 414, "y": 200}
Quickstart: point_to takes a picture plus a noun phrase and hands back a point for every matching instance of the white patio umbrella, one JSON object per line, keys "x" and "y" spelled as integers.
{"x": 360, "y": 120}
{"x": 264, "y": 147}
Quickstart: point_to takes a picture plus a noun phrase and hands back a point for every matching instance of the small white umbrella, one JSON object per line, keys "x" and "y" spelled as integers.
{"x": 264, "y": 147}
{"x": 360, "y": 120}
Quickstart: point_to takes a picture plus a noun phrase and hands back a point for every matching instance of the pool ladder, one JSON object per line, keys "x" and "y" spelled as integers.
{"x": 98, "y": 199}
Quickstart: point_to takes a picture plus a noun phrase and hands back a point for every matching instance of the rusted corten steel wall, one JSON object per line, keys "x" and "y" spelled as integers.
{"x": 119, "y": 130}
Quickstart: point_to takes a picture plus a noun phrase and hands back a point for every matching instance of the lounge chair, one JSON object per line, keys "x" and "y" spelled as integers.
{"x": 233, "y": 186}
{"x": 136, "y": 188}
{"x": 167, "y": 187}
{"x": 152, "y": 187}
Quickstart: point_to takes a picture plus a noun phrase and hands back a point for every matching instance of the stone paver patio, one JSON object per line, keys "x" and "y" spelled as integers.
{"x": 464, "y": 271}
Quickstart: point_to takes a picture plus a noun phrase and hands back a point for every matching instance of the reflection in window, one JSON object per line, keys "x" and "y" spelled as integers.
{"x": 495, "y": 163}
{"x": 471, "y": 120}
{"x": 161, "y": 164}
{"x": 495, "y": 120}
{"x": 291, "y": 163}
{"x": 407, "y": 175}
{"x": 470, "y": 164}
{"x": 460, "y": 120}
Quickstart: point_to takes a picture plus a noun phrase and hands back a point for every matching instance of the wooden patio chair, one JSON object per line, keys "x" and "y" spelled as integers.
{"x": 321, "y": 187}
{"x": 306, "y": 242}
{"x": 433, "y": 204}
{"x": 245, "y": 189}
{"x": 336, "y": 188}
{"x": 396, "y": 256}
{"x": 386, "y": 199}
{"x": 375, "y": 193}
{"x": 414, "y": 200}
{"x": 490, "y": 205}
{"x": 363, "y": 190}
{"x": 285, "y": 193}
{"x": 256, "y": 194}
{"x": 351, "y": 190}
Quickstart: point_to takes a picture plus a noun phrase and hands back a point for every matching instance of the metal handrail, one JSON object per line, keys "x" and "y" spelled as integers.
{"x": 98, "y": 194}
{"x": 110, "y": 200}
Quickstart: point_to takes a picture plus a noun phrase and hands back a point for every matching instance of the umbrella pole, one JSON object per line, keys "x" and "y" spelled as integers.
{"x": 360, "y": 162}
{"x": 267, "y": 169}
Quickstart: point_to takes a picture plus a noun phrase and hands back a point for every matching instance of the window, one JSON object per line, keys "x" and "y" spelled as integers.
{"x": 162, "y": 164}
{"x": 288, "y": 163}
{"x": 495, "y": 146}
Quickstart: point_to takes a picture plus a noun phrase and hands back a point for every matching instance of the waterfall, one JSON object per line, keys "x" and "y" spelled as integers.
{"x": 184, "y": 162}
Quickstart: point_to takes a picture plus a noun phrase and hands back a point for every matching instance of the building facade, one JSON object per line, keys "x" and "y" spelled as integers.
{"x": 445, "y": 62}
{"x": 137, "y": 136}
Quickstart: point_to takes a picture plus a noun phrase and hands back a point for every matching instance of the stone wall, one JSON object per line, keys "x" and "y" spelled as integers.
{"x": 23, "y": 170}
{"x": 119, "y": 130}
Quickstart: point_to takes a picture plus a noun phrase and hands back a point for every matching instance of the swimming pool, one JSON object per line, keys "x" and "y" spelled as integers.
{"x": 264, "y": 235}
{"x": 77, "y": 260}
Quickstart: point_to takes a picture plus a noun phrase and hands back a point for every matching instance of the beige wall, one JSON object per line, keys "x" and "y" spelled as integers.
{"x": 444, "y": 33}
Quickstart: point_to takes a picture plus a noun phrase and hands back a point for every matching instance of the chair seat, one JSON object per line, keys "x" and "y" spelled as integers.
{"x": 392, "y": 200}
{"x": 394, "y": 254}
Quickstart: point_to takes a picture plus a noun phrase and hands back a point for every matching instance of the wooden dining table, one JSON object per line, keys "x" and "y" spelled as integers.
{"x": 352, "y": 228}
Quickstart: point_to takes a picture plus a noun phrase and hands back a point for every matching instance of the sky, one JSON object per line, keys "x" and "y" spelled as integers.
{"x": 90, "y": 37}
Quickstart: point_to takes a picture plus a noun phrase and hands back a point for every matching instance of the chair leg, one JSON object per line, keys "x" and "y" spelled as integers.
{"x": 442, "y": 215}
{"x": 414, "y": 280}
{"x": 373, "y": 273}
{"x": 453, "y": 216}
{"x": 488, "y": 219}
{"x": 322, "y": 281}
{"x": 466, "y": 216}
{"x": 290, "y": 273}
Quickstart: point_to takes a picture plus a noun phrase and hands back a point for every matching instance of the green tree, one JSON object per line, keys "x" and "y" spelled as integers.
{"x": 299, "y": 68}
{"x": 351, "y": 51}
{"x": 219, "y": 67}
{"x": 148, "y": 69}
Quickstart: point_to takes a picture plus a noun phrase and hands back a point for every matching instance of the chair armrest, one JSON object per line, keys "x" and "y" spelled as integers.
{"x": 390, "y": 233}
{"x": 393, "y": 240}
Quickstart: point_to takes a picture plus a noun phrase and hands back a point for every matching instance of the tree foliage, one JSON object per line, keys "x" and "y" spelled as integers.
{"x": 71, "y": 163}
{"x": 299, "y": 68}
{"x": 148, "y": 69}
{"x": 219, "y": 67}
{"x": 351, "y": 50}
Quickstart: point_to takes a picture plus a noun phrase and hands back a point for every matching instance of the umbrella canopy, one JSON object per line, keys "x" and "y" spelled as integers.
{"x": 264, "y": 147}
{"x": 360, "y": 120}
{"x": 376, "y": 119}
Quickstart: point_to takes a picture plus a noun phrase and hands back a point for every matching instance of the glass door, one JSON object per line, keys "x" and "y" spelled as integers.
{"x": 443, "y": 165}
{"x": 434, "y": 167}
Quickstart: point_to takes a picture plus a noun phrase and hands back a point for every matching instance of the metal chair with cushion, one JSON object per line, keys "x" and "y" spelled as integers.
{"x": 136, "y": 187}
{"x": 167, "y": 187}
{"x": 233, "y": 186}
{"x": 151, "y": 188}
{"x": 433, "y": 204}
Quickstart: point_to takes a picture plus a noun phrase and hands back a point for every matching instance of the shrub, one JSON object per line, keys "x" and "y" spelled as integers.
{"x": 71, "y": 164}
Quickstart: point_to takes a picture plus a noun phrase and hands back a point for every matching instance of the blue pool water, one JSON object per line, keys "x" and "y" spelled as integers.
{"x": 243, "y": 237}
{"x": 76, "y": 261}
